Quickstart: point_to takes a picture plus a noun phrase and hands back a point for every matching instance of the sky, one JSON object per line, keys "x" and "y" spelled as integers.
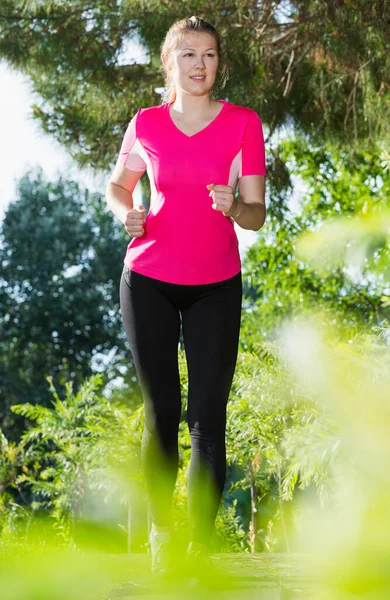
{"x": 23, "y": 145}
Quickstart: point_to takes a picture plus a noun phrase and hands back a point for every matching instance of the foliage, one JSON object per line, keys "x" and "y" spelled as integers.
{"x": 61, "y": 253}
{"x": 284, "y": 437}
{"x": 280, "y": 283}
{"x": 299, "y": 416}
{"x": 322, "y": 67}
{"x": 71, "y": 450}
{"x": 283, "y": 443}
{"x": 346, "y": 541}
{"x": 229, "y": 531}
{"x": 81, "y": 454}
{"x": 281, "y": 439}
{"x": 38, "y": 569}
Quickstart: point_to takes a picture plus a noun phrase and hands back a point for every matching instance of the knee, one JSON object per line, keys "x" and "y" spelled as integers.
{"x": 162, "y": 421}
{"x": 207, "y": 434}
{"x": 162, "y": 429}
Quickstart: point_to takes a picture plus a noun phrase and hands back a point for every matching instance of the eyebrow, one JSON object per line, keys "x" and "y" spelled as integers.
{"x": 194, "y": 49}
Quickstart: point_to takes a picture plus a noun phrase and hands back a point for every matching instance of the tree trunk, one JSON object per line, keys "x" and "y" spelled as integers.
{"x": 253, "y": 523}
{"x": 138, "y": 524}
{"x": 282, "y": 516}
{"x": 129, "y": 527}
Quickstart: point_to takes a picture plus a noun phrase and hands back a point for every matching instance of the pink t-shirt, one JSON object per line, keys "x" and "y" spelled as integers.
{"x": 186, "y": 241}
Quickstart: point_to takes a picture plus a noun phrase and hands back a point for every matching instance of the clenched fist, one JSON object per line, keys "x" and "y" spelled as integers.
{"x": 223, "y": 199}
{"x": 134, "y": 223}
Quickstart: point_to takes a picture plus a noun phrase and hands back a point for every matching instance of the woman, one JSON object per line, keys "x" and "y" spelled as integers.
{"x": 183, "y": 267}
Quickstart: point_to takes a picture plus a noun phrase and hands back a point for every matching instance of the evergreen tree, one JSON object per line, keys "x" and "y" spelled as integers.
{"x": 321, "y": 67}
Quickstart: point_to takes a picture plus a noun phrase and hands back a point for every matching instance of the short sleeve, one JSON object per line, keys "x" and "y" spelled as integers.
{"x": 131, "y": 152}
{"x": 253, "y": 150}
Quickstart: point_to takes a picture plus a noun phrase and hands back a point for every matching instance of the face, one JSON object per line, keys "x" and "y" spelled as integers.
{"x": 196, "y": 55}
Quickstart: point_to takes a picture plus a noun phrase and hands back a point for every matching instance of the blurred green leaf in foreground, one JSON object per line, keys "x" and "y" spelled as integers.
{"x": 348, "y": 539}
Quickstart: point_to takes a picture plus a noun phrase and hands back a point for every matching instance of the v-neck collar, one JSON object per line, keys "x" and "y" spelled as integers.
{"x": 201, "y": 130}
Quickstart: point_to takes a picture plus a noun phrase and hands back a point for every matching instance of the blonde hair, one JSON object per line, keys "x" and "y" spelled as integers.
{"x": 173, "y": 37}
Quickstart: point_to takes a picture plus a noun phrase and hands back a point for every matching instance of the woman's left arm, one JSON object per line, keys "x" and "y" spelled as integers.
{"x": 249, "y": 211}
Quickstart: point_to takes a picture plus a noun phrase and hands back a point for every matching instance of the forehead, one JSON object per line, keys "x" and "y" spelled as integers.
{"x": 189, "y": 39}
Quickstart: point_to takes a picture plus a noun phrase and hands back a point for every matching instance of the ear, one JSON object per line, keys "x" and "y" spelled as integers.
{"x": 166, "y": 61}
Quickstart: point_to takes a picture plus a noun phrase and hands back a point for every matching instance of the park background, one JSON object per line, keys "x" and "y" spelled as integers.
{"x": 308, "y": 428}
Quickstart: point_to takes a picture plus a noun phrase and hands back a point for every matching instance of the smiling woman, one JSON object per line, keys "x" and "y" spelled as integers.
{"x": 182, "y": 267}
{"x": 180, "y": 53}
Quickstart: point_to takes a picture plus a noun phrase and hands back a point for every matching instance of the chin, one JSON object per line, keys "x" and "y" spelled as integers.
{"x": 200, "y": 92}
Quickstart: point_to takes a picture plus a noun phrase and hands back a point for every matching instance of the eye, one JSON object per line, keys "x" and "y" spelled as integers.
{"x": 208, "y": 54}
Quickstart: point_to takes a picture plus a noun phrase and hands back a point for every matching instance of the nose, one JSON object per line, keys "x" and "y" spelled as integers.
{"x": 199, "y": 62}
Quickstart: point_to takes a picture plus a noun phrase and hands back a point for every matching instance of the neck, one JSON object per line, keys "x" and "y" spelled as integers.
{"x": 196, "y": 106}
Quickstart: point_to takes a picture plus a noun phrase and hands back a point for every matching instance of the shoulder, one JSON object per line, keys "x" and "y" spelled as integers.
{"x": 242, "y": 113}
{"x": 245, "y": 110}
{"x": 149, "y": 117}
{"x": 149, "y": 112}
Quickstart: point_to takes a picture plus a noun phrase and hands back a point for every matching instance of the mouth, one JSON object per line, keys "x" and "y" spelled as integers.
{"x": 198, "y": 78}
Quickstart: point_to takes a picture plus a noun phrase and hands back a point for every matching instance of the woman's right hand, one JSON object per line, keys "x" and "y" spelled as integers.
{"x": 134, "y": 222}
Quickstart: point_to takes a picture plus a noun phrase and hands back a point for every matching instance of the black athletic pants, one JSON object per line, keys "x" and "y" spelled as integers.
{"x": 152, "y": 311}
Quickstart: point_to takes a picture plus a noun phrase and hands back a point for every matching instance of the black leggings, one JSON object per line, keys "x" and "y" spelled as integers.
{"x": 210, "y": 315}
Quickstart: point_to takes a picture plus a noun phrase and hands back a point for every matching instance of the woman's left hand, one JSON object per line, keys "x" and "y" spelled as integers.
{"x": 224, "y": 200}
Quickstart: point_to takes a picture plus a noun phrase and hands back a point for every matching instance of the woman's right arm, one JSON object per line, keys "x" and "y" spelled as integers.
{"x": 119, "y": 197}
{"x": 119, "y": 191}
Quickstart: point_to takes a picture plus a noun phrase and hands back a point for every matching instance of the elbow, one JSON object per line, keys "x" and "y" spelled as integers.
{"x": 262, "y": 221}
{"x": 262, "y": 214}
{"x": 108, "y": 192}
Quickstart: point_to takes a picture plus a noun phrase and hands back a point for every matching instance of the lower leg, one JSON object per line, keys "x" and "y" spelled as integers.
{"x": 211, "y": 334}
{"x": 152, "y": 323}
{"x": 205, "y": 482}
{"x": 160, "y": 465}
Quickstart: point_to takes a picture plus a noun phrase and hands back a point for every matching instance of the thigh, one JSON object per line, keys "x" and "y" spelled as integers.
{"x": 211, "y": 327}
{"x": 152, "y": 325}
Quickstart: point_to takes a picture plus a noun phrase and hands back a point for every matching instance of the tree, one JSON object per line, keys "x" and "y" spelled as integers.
{"x": 60, "y": 263}
{"x": 320, "y": 67}
{"x": 279, "y": 282}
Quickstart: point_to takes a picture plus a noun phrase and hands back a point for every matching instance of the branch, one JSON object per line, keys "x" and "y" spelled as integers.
{"x": 266, "y": 21}
{"x": 47, "y": 17}
{"x": 288, "y": 72}
{"x": 351, "y": 106}
{"x": 342, "y": 76}
{"x": 280, "y": 38}
{"x": 369, "y": 301}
